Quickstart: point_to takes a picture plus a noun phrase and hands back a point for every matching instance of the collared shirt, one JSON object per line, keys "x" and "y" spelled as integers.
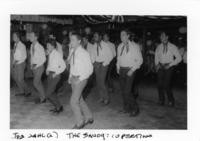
{"x": 91, "y": 50}
{"x": 171, "y": 57}
{"x": 55, "y": 62}
{"x": 20, "y": 54}
{"x": 59, "y": 48}
{"x": 130, "y": 57}
{"x": 102, "y": 53}
{"x": 80, "y": 64}
{"x": 38, "y": 56}
{"x": 112, "y": 47}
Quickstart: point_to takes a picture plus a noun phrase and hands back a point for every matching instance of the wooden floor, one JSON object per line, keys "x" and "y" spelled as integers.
{"x": 24, "y": 114}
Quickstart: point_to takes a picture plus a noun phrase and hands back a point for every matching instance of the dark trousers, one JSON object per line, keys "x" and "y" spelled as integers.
{"x": 110, "y": 74}
{"x": 100, "y": 72}
{"x": 63, "y": 79}
{"x": 89, "y": 86}
{"x": 164, "y": 84}
{"x": 51, "y": 87}
{"x": 129, "y": 101}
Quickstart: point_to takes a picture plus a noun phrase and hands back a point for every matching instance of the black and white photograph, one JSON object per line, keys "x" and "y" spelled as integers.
{"x": 98, "y": 72}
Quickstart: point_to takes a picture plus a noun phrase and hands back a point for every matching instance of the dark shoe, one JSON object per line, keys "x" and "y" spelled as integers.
{"x": 82, "y": 125}
{"x": 39, "y": 101}
{"x": 57, "y": 111}
{"x": 134, "y": 113}
{"x": 27, "y": 94}
{"x": 53, "y": 110}
{"x": 123, "y": 111}
{"x": 89, "y": 121}
{"x": 20, "y": 94}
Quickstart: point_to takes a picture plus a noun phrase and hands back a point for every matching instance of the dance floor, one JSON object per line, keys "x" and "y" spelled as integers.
{"x": 25, "y": 114}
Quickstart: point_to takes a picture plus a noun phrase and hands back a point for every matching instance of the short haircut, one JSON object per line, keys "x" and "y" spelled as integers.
{"x": 78, "y": 36}
{"x": 18, "y": 34}
{"x": 106, "y": 33}
{"x": 163, "y": 32}
{"x": 127, "y": 31}
{"x": 52, "y": 42}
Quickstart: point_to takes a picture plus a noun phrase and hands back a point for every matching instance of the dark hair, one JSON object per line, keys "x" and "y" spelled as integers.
{"x": 18, "y": 34}
{"x": 127, "y": 31}
{"x": 52, "y": 42}
{"x": 78, "y": 36}
{"x": 106, "y": 33}
{"x": 163, "y": 32}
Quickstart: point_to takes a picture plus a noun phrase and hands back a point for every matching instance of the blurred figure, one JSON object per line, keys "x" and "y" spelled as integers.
{"x": 129, "y": 59}
{"x": 166, "y": 57}
{"x": 80, "y": 70}
{"x": 19, "y": 64}
{"x": 103, "y": 56}
{"x": 111, "y": 67}
{"x": 91, "y": 81}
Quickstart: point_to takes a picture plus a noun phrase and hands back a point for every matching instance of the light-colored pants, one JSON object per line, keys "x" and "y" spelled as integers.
{"x": 37, "y": 82}
{"x": 78, "y": 105}
{"x": 18, "y": 76}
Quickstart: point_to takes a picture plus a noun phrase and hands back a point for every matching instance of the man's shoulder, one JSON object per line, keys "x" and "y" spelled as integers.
{"x": 171, "y": 45}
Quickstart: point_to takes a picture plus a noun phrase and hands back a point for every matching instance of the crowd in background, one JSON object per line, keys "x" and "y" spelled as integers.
{"x": 114, "y": 63}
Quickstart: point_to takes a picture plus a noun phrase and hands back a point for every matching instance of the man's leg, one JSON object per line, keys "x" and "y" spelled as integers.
{"x": 168, "y": 76}
{"x": 132, "y": 104}
{"x": 21, "y": 78}
{"x": 161, "y": 92}
{"x": 37, "y": 82}
{"x": 85, "y": 110}
{"x": 77, "y": 89}
{"x": 88, "y": 87}
{"x": 122, "y": 80}
{"x": 104, "y": 91}
{"x": 98, "y": 81}
{"x": 51, "y": 87}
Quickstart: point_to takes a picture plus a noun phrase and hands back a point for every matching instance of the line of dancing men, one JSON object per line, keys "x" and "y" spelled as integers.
{"x": 86, "y": 59}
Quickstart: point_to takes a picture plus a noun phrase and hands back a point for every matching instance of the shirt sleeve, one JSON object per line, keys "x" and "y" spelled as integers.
{"x": 177, "y": 56}
{"x": 20, "y": 54}
{"x": 138, "y": 60}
